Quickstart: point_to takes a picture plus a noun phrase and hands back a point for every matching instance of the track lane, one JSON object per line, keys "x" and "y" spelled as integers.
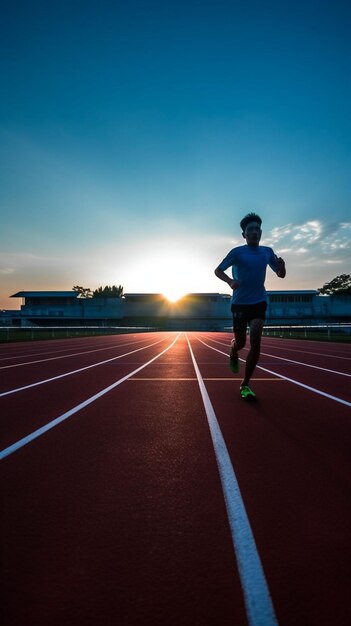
{"x": 336, "y": 384}
{"x": 258, "y": 602}
{"x": 125, "y": 520}
{"x": 30, "y": 409}
{"x": 291, "y": 455}
{"x": 339, "y": 354}
{"x": 71, "y": 346}
{"x": 43, "y": 358}
{"x": 32, "y": 371}
{"x": 19, "y": 350}
{"x": 308, "y": 356}
{"x": 292, "y": 463}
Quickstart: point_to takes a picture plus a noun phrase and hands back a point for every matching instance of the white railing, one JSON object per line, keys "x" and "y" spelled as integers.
{"x": 310, "y": 331}
{"x": 32, "y": 333}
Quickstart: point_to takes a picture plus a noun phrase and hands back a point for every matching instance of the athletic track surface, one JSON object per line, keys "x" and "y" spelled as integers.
{"x": 138, "y": 488}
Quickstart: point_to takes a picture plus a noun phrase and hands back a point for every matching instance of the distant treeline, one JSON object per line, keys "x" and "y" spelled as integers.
{"x": 109, "y": 291}
{"x": 339, "y": 286}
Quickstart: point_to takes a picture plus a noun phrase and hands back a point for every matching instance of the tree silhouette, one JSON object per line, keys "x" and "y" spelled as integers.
{"x": 340, "y": 286}
{"x": 108, "y": 292}
{"x": 83, "y": 292}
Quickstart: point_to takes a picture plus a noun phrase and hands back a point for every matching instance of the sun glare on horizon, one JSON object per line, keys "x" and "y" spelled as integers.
{"x": 167, "y": 273}
{"x": 174, "y": 295}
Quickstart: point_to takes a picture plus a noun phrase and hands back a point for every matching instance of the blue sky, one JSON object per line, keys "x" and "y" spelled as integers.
{"x": 135, "y": 135}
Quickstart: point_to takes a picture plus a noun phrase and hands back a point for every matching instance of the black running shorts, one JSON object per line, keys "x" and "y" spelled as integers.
{"x": 243, "y": 314}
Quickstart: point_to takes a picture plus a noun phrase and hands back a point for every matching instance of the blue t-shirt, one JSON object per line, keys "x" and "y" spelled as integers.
{"x": 249, "y": 265}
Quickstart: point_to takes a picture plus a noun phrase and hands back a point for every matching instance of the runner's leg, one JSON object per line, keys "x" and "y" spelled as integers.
{"x": 256, "y": 327}
{"x": 238, "y": 342}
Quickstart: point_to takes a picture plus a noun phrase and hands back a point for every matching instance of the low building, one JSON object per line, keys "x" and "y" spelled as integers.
{"x": 294, "y": 307}
{"x": 195, "y": 311}
{"x": 62, "y": 308}
{"x": 307, "y": 307}
{"x": 199, "y": 311}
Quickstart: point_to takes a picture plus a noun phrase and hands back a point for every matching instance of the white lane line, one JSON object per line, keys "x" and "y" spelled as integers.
{"x": 316, "y": 367}
{"x": 43, "y": 352}
{"x": 264, "y": 343}
{"x": 82, "y": 369}
{"x": 31, "y": 355}
{"x": 259, "y": 607}
{"x": 40, "y": 431}
{"x": 290, "y": 380}
{"x": 67, "y": 356}
{"x": 324, "y": 354}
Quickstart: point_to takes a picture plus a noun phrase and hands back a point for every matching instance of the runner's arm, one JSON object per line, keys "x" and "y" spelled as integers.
{"x": 233, "y": 284}
{"x": 281, "y": 270}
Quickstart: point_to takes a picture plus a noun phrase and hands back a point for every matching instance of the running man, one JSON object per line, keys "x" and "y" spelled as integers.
{"x": 249, "y": 299}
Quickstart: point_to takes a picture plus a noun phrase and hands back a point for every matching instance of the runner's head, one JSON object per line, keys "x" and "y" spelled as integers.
{"x": 251, "y": 228}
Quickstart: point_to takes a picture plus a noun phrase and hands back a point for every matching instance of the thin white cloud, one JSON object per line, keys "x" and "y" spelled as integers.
{"x": 333, "y": 261}
{"x": 314, "y": 252}
{"x": 278, "y": 233}
{"x": 312, "y": 236}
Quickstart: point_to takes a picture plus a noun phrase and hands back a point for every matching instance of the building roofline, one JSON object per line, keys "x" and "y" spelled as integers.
{"x": 293, "y": 291}
{"x": 161, "y": 295}
{"x": 45, "y": 294}
{"x": 74, "y": 294}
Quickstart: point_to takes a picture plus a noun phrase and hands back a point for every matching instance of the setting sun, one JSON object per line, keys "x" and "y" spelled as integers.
{"x": 174, "y": 295}
{"x": 166, "y": 272}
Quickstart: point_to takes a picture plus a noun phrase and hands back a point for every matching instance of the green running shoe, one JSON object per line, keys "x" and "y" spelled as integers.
{"x": 247, "y": 393}
{"x": 234, "y": 362}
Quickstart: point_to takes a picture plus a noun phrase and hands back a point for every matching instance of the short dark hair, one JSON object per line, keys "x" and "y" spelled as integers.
{"x": 250, "y": 217}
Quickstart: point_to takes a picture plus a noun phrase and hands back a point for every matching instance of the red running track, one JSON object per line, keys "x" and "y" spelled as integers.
{"x": 126, "y": 511}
